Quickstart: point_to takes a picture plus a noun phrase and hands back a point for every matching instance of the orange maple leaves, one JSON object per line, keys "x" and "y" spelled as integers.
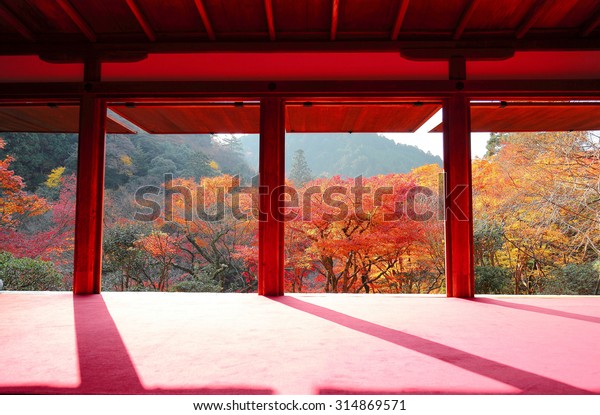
{"x": 14, "y": 201}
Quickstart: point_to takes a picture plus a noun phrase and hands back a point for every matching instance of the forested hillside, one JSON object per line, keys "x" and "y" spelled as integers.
{"x": 348, "y": 155}
{"x": 130, "y": 158}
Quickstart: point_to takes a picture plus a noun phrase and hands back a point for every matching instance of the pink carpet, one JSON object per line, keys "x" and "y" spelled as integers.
{"x": 179, "y": 343}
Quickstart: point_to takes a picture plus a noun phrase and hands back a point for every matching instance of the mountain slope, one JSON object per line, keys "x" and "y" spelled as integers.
{"x": 348, "y": 155}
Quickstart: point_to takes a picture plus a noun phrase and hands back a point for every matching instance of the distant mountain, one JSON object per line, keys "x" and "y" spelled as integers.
{"x": 348, "y": 155}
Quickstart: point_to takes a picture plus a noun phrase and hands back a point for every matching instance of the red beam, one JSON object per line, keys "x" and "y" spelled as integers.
{"x": 457, "y": 68}
{"x": 272, "y": 178}
{"x": 270, "y": 20}
{"x": 439, "y": 54}
{"x": 15, "y": 23}
{"x": 399, "y": 19}
{"x": 460, "y": 277}
{"x": 591, "y": 25}
{"x": 205, "y": 20}
{"x": 138, "y": 49}
{"x": 334, "y": 19}
{"x": 90, "y": 196}
{"x": 143, "y": 22}
{"x": 531, "y": 18}
{"x": 464, "y": 19}
{"x": 332, "y": 91}
{"x": 85, "y": 28}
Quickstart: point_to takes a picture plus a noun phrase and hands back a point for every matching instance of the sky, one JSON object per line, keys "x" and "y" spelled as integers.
{"x": 432, "y": 142}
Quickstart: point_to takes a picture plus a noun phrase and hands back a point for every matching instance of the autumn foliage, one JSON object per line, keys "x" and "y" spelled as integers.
{"x": 536, "y": 227}
{"x": 536, "y": 207}
{"x": 15, "y": 203}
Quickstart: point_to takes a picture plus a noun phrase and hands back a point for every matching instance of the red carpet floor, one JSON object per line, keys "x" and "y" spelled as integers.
{"x": 177, "y": 343}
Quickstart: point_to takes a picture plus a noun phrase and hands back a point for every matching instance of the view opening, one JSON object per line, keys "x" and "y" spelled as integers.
{"x": 365, "y": 213}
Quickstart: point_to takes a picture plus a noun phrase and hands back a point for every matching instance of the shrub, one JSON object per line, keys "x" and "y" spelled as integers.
{"x": 28, "y": 274}
{"x": 573, "y": 279}
{"x": 203, "y": 280}
{"x": 492, "y": 280}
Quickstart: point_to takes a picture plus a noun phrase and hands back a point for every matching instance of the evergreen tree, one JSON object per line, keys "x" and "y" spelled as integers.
{"x": 36, "y": 154}
{"x": 494, "y": 143}
{"x": 198, "y": 165}
{"x": 300, "y": 173}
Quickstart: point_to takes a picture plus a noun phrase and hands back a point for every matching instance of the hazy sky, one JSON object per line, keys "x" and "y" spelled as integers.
{"x": 432, "y": 142}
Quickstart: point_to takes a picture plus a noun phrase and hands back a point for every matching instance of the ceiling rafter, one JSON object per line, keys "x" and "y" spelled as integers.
{"x": 399, "y": 19}
{"x": 464, "y": 19}
{"x": 270, "y": 20}
{"x": 78, "y": 19}
{"x": 141, "y": 19}
{"x": 591, "y": 24}
{"x": 531, "y": 17}
{"x": 205, "y": 20}
{"x": 14, "y": 22}
{"x": 334, "y": 19}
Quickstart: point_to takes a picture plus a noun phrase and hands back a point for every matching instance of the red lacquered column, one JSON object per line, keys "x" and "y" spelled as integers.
{"x": 460, "y": 277}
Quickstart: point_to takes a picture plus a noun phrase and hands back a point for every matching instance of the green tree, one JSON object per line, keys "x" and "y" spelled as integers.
{"x": 160, "y": 166}
{"x": 198, "y": 165}
{"x": 28, "y": 274}
{"x": 494, "y": 143}
{"x": 36, "y": 155}
{"x": 120, "y": 166}
{"x": 300, "y": 173}
{"x": 228, "y": 153}
{"x": 123, "y": 263}
{"x": 573, "y": 279}
{"x": 203, "y": 279}
{"x": 492, "y": 280}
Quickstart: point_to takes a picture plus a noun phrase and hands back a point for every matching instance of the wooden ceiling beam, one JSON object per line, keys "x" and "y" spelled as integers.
{"x": 591, "y": 24}
{"x": 334, "y": 19}
{"x": 138, "y": 49}
{"x": 464, "y": 19}
{"x": 270, "y": 20}
{"x": 76, "y": 17}
{"x": 141, "y": 19}
{"x": 399, "y": 19}
{"x": 531, "y": 17}
{"x": 14, "y": 22}
{"x": 438, "y": 54}
{"x": 205, "y": 20}
{"x": 331, "y": 91}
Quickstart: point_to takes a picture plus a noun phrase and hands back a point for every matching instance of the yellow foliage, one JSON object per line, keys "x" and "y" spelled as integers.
{"x": 126, "y": 160}
{"x": 427, "y": 176}
{"x": 214, "y": 165}
{"x": 55, "y": 177}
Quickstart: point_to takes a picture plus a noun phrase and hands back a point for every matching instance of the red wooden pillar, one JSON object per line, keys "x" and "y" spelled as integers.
{"x": 460, "y": 277}
{"x": 90, "y": 196}
{"x": 272, "y": 178}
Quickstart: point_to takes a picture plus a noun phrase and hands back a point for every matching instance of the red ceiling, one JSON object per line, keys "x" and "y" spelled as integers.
{"x": 552, "y": 39}
{"x": 297, "y": 20}
{"x": 363, "y": 118}
{"x": 48, "y": 119}
{"x": 192, "y": 119}
{"x": 313, "y": 117}
{"x": 516, "y": 117}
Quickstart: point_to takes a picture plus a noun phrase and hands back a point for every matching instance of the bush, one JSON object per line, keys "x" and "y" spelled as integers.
{"x": 492, "y": 280}
{"x": 202, "y": 281}
{"x": 28, "y": 274}
{"x": 573, "y": 279}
